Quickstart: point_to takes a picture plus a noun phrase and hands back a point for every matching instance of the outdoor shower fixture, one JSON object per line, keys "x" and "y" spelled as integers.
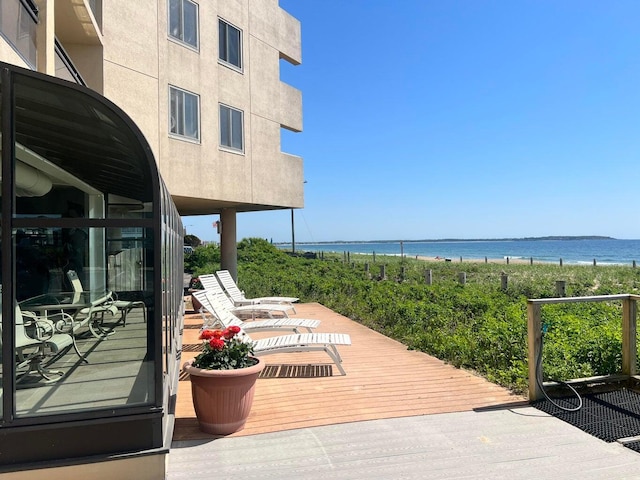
{"x": 540, "y": 379}
{"x": 535, "y": 339}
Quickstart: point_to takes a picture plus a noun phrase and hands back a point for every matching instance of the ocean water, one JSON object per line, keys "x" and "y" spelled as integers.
{"x": 572, "y": 251}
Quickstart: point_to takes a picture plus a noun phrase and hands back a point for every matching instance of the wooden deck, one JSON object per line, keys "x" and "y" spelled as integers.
{"x": 384, "y": 380}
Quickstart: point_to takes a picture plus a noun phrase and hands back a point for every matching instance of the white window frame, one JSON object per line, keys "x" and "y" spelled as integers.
{"x": 180, "y": 37}
{"x": 229, "y": 121}
{"x": 225, "y": 61}
{"x": 175, "y": 120}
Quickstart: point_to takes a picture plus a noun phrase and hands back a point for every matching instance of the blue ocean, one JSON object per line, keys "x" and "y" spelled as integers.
{"x": 570, "y": 251}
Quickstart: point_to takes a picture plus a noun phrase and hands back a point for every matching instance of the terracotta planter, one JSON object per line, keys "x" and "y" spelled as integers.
{"x": 222, "y": 398}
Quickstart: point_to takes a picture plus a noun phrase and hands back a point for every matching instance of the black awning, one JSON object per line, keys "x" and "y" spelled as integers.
{"x": 81, "y": 136}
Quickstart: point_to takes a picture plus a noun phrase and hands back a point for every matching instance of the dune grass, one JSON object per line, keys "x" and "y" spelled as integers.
{"x": 478, "y": 325}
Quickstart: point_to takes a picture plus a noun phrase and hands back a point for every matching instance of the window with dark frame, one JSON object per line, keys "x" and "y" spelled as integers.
{"x": 231, "y": 128}
{"x": 183, "y": 21}
{"x": 230, "y": 44}
{"x": 184, "y": 111}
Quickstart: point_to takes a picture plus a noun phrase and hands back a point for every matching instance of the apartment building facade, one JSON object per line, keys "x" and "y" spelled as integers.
{"x": 198, "y": 90}
{"x": 201, "y": 79}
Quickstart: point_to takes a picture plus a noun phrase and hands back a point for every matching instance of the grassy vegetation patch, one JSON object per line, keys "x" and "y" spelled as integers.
{"x": 477, "y": 326}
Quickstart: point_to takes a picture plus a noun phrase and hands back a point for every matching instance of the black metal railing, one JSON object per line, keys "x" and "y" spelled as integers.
{"x": 65, "y": 67}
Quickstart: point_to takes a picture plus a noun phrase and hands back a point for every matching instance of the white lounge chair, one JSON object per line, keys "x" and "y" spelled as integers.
{"x": 297, "y": 342}
{"x": 210, "y": 282}
{"x": 237, "y": 295}
{"x": 303, "y": 342}
{"x": 220, "y": 315}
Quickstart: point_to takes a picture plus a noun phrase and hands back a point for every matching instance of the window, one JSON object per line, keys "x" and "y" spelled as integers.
{"x": 230, "y": 44}
{"x": 183, "y": 21}
{"x": 185, "y": 114}
{"x": 231, "y": 130}
{"x": 18, "y": 22}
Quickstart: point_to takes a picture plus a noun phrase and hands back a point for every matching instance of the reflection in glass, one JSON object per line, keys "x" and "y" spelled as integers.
{"x": 74, "y": 321}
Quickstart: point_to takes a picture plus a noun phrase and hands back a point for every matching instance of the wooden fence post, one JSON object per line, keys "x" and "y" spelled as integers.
{"x": 504, "y": 280}
{"x": 383, "y": 272}
{"x": 428, "y": 276}
{"x": 561, "y": 288}
{"x": 462, "y": 278}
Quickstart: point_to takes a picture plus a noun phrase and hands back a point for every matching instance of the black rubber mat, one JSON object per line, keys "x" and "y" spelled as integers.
{"x": 286, "y": 371}
{"x": 608, "y": 416}
{"x": 635, "y": 446}
{"x": 296, "y": 371}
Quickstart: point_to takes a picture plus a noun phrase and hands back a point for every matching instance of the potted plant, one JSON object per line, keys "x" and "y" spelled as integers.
{"x": 223, "y": 380}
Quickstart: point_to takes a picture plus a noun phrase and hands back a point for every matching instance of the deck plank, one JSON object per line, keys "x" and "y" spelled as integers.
{"x": 384, "y": 380}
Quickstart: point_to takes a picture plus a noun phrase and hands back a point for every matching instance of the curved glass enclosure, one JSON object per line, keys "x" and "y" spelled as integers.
{"x": 91, "y": 277}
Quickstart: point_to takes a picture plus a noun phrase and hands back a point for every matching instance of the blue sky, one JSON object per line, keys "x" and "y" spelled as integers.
{"x": 461, "y": 119}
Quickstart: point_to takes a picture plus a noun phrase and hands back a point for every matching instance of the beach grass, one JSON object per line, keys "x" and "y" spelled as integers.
{"x": 479, "y": 324}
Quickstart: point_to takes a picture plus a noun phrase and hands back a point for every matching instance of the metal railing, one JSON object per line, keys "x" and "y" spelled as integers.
{"x": 65, "y": 68}
{"x": 96, "y": 8}
{"x": 534, "y": 338}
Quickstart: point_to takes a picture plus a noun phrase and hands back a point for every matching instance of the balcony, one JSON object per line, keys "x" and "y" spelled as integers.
{"x": 79, "y": 22}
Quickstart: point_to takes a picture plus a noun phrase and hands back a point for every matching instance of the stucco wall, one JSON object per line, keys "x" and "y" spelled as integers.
{"x": 133, "y": 61}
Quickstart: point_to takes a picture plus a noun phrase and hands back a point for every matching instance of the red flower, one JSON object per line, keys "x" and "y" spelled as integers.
{"x": 231, "y": 332}
{"x": 208, "y": 334}
{"x": 216, "y": 343}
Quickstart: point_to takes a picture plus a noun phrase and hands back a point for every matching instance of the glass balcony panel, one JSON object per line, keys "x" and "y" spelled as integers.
{"x": 18, "y": 27}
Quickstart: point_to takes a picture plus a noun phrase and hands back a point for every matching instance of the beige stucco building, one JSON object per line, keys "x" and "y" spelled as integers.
{"x": 200, "y": 81}
{"x": 199, "y": 78}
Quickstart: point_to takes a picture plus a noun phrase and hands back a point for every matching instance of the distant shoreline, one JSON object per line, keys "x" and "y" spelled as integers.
{"x": 444, "y": 240}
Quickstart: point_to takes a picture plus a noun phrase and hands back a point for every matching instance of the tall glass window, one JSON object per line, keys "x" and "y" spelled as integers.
{"x": 229, "y": 44}
{"x": 93, "y": 341}
{"x": 184, "y": 113}
{"x": 183, "y": 21}
{"x": 83, "y": 258}
{"x": 231, "y": 128}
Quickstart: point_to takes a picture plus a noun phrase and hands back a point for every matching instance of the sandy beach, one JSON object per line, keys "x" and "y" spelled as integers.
{"x": 503, "y": 261}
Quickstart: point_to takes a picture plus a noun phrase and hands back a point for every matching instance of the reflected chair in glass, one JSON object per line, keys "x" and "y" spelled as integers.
{"x": 38, "y": 344}
{"x": 123, "y": 306}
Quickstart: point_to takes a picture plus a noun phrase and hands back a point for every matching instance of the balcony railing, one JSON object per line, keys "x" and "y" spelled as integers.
{"x": 96, "y": 9}
{"x": 65, "y": 68}
{"x": 18, "y": 19}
